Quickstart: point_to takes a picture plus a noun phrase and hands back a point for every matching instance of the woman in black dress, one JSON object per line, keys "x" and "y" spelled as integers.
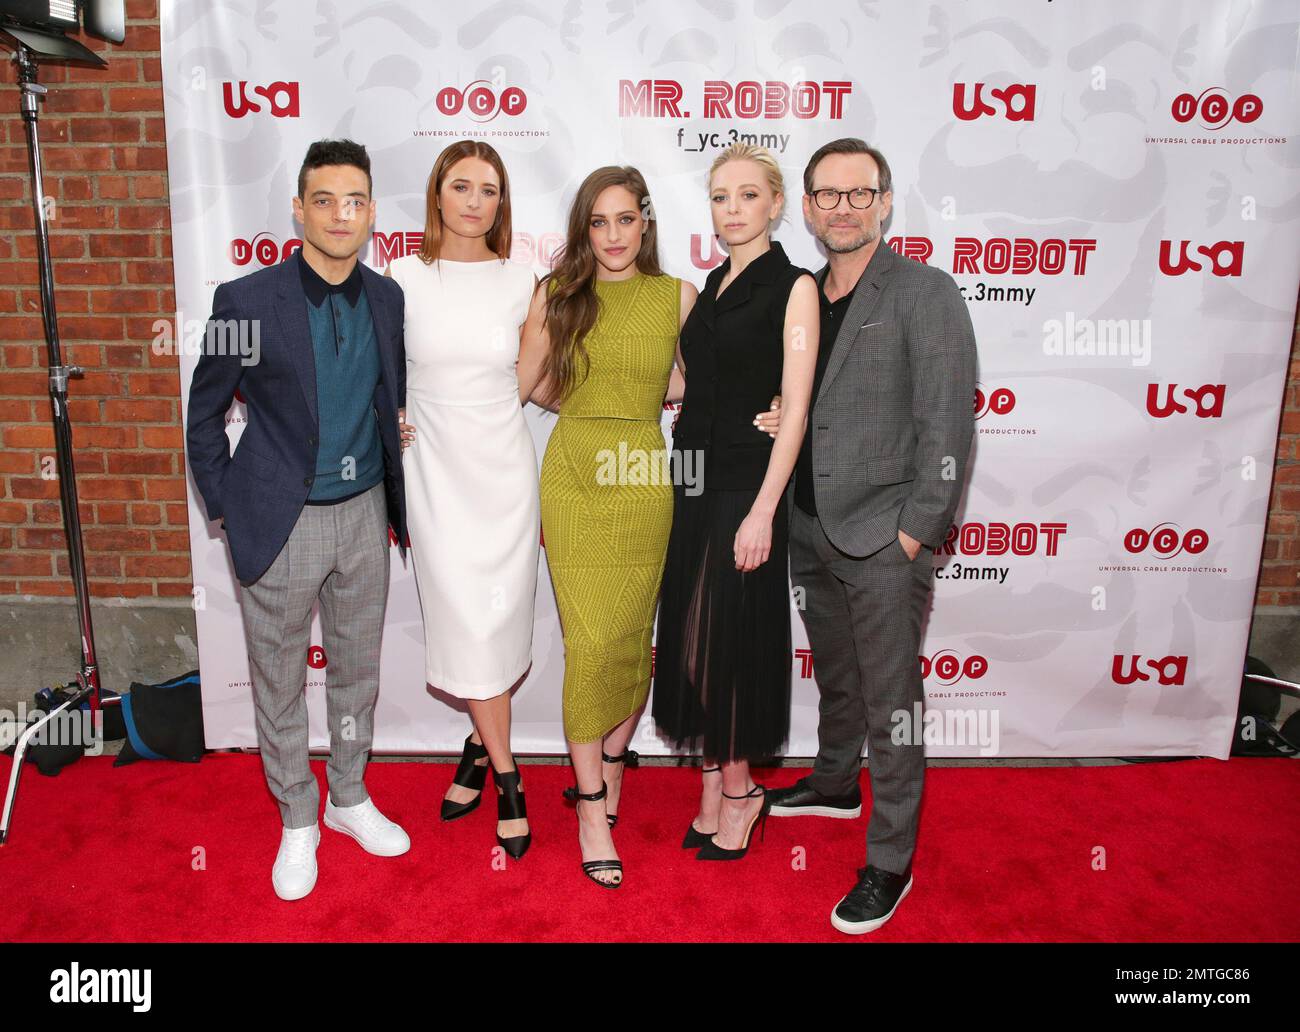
{"x": 722, "y": 664}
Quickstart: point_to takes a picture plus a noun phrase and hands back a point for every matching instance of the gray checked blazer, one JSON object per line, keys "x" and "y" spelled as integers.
{"x": 893, "y": 419}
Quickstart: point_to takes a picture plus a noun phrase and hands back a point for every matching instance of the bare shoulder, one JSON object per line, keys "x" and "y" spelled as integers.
{"x": 802, "y": 292}
{"x": 399, "y": 268}
{"x": 537, "y": 300}
{"x": 804, "y": 287}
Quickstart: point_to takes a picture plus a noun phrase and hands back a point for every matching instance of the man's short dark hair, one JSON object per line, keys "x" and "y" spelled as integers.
{"x": 335, "y": 152}
{"x": 848, "y": 145}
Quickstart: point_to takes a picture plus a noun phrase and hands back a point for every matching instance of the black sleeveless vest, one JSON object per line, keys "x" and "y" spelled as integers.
{"x": 734, "y": 352}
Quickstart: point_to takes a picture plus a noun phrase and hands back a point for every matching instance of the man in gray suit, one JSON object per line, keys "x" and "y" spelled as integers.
{"x": 881, "y": 472}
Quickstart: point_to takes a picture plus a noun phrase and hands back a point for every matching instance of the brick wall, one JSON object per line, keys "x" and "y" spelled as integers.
{"x": 1279, "y": 575}
{"x": 106, "y": 170}
{"x": 105, "y": 164}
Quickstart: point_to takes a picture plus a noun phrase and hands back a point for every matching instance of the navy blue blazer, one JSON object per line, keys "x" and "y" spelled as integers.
{"x": 260, "y": 491}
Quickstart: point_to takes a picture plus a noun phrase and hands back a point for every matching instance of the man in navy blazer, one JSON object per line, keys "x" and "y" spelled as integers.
{"x": 314, "y": 348}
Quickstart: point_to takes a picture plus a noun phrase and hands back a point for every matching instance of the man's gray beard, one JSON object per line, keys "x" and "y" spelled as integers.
{"x": 857, "y": 245}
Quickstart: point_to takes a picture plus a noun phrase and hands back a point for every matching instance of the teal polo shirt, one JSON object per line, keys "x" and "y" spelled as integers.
{"x": 350, "y": 457}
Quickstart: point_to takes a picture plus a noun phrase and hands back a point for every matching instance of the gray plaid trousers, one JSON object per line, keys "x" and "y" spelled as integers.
{"x": 339, "y": 555}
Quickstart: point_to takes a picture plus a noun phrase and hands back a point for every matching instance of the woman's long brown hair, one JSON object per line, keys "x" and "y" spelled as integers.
{"x": 572, "y": 305}
{"x": 499, "y": 237}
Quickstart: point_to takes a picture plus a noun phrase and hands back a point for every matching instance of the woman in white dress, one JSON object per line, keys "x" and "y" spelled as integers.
{"x": 470, "y": 467}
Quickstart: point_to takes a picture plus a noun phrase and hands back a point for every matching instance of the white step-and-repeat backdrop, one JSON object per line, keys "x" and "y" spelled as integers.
{"x": 1113, "y": 186}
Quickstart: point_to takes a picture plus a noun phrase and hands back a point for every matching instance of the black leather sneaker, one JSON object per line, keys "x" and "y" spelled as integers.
{"x": 872, "y": 901}
{"x": 800, "y": 800}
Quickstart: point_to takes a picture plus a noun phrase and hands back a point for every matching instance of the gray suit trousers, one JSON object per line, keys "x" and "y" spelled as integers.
{"x": 863, "y": 618}
{"x": 339, "y": 555}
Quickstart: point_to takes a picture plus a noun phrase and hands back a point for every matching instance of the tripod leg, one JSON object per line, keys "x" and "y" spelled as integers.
{"x": 19, "y": 754}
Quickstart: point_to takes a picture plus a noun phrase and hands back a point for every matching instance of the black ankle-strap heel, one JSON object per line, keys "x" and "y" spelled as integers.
{"x": 695, "y": 839}
{"x": 713, "y": 851}
{"x": 469, "y": 774}
{"x": 629, "y": 758}
{"x": 590, "y": 867}
{"x": 510, "y": 807}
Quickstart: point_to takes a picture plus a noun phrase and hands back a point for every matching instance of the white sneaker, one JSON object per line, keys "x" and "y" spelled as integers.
{"x": 375, "y": 832}
{"x": 294, "y": 872}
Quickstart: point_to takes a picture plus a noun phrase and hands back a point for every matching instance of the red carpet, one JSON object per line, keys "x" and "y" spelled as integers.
{"x": 1198, "y": 850}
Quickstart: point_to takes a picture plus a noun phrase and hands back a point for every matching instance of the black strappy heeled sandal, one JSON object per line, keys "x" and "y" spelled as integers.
{"x": 712, "y": 851}
{"x": 590, "y": 867}
{"x": 629, "y": 758}
{"x": 469, "y": 774}
{"x": 511, "y": 807}
{"x": 696, "y": 839}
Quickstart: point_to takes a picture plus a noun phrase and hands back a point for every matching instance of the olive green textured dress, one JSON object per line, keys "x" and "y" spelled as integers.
{"x": 607, "y": 503}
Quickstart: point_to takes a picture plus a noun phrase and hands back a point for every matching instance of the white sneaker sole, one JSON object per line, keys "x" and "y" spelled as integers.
{"x": 862, "y": 927}
{"x": 368, "y": 847}
{"x": 816, "y": 811}
{"x": 295, "y": 895}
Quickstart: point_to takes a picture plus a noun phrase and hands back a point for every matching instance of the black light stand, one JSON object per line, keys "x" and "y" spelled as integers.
{"x": 87, "y": 683}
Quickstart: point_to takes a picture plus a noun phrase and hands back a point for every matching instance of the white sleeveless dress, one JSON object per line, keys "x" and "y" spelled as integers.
{"x": 471, "y": 472}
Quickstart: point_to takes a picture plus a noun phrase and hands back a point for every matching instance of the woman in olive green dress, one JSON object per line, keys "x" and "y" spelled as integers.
{"x": 599, "y": 348}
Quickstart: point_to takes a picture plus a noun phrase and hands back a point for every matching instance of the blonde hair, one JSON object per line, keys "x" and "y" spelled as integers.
{"x": 762, "y": 157}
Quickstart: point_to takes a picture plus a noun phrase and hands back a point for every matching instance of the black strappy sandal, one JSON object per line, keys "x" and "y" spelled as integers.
{"x": 696, "y": 839}
{"x": 469, "y": 774}
{"x": 712, "y": 851}
{"x": 630, "y": 758}
{"x": 511, "y": 807}
{"x": 590, "y": 867}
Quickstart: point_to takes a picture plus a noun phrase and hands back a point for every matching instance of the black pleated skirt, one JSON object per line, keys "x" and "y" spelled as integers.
{"x": 722, "y": 645}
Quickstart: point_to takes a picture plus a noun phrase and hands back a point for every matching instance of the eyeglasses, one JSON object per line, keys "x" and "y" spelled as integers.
{"x": 860, "y": 197}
